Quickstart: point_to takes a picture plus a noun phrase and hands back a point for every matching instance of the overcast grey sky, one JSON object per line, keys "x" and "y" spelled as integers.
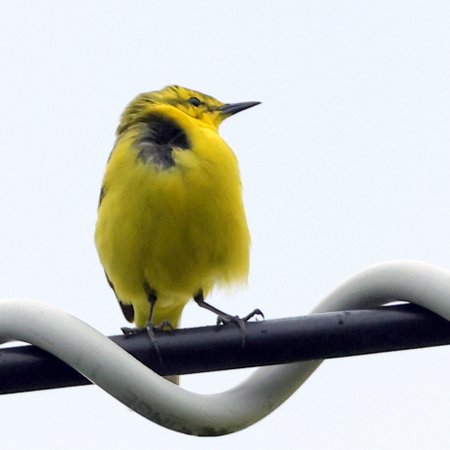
{"x": 345, "y": 164}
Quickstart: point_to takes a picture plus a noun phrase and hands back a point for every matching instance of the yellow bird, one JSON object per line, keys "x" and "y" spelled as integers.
{"x": 171, "y": 222}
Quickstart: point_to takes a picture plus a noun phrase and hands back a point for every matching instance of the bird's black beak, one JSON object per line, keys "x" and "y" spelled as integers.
{"x": 232, "y": 108}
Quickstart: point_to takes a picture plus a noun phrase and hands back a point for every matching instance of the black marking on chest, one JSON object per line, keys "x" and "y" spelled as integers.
{"x": 160, "y": 135}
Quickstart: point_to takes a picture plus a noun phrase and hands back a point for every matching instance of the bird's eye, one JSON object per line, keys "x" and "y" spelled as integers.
{"x": 194, "y": 101}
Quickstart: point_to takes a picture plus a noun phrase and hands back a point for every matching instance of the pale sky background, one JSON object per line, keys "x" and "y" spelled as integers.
{"x": 345, "y": 164}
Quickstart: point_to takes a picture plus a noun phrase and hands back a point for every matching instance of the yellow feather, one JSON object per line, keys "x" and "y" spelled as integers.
{"x": 178, "y": 229}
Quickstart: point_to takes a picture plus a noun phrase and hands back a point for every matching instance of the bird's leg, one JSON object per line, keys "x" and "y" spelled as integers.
{"x": 224, "y": 318}
{"x": 149, "y": 328}
{"x": 151, "y": 297}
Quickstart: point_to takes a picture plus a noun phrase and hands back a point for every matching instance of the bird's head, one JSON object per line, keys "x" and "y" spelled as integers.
{"x": 195, "y": 104}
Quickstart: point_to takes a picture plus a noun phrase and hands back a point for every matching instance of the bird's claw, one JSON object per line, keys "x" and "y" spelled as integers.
{"x": 223, "y": 319}
{"x": 255, "y": 313}
{"x": 129, "y": 331}
{"x": 150, "y": 330}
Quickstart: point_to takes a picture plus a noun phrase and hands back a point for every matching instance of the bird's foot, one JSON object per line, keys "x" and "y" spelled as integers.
{"x": 150, "y": 330}
{"x": 129, "y": 331}
{"x": 151, "y": 334}
{"x": 223, "y": 319}
{"x": 163, "y": 326}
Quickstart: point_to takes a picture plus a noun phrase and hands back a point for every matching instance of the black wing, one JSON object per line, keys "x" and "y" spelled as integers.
{"x": 128, "y": 310}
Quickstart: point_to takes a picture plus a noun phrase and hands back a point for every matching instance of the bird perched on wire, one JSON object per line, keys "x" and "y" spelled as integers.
{"x": 171, "y": 221}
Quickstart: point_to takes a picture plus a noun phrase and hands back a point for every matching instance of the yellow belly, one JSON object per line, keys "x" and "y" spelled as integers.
{"x": 180, "y": 229}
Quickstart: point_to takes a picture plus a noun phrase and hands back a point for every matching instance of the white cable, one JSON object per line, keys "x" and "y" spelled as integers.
{"x": 133, "y": 384}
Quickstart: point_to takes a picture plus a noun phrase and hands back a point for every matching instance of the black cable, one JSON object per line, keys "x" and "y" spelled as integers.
{"x": 204, "y": 349}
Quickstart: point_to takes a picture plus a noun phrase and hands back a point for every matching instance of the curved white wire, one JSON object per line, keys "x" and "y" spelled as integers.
{"x": 133, "y": 384}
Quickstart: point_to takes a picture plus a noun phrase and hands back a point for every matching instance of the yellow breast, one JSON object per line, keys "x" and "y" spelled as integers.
{"x": 180, "y": 229}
